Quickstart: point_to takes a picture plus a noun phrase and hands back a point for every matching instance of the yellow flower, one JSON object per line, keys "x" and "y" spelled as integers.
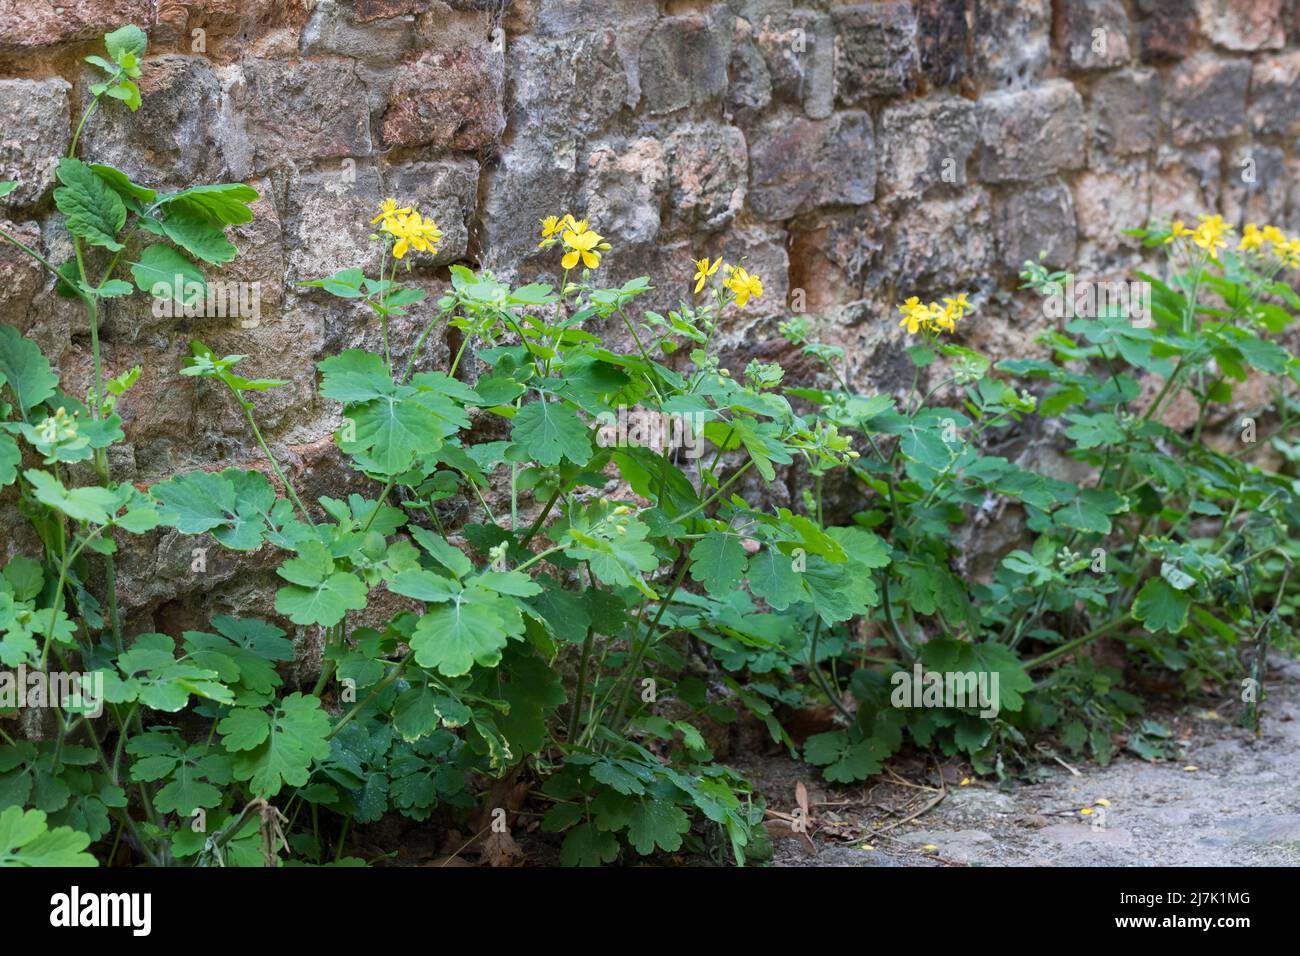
{"x": 412, "y": 231}
{"x": 388, "y": 210}
{"x": 582, "y": 243}
{"x": 1209, "y": 235}
{"x": 1289, "y": 253}
{"x": 745, "y": 286}
{"x": 1272, "y": 234}
{"x": 1103, "y": 802}
{"x": 1177, "y": 229}
{"x": 933, "y": 317}
{"x": 1251, "y": 239}
{"x": 703, "y": 270}
{"x": 915, "y": 315}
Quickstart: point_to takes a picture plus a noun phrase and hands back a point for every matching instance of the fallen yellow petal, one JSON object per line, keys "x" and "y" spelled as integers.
{"x": 1103, "y": 802}
{"x": 1190, "y": 769}
{"x": 929, "y": 846}
{"x": 1086, "y": 810}
{"x": 965, "y": 781}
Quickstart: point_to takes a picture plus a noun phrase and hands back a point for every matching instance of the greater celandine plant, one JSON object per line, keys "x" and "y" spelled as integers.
{"x": 554, "y": 637}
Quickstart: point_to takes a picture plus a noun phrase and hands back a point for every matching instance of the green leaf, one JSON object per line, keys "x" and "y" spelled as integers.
{"x": 129, "y": 39}
{"x": 10, "y": 458}
{"x": 1090, "y": 511}
{"x": 772, "y": 577}
{"x": 201, "y": 238}
{"x": 25, "y": 370}
{"x": 113, "y": 289}
{"x": 26, "y": 840}
{"x": 317, "y": 594}
{"x": 162, "y": 272}
{"x": 549, "y": 431}
{"x": 92, "y": 210}
{"x": 415, "y": 713}
{"x": 842, "y": 761}
{"x": 272, "y": 751}
{"x": 1161, "y": 607}
{"x": 92, "y": 504}
{"x": 120, "y": 184}
{"x": 718, "y": 561}
{"x": 355, "y": 376}
{"x": 472, "y": 628}
{"x": 394, "y": 430}
{"x": 234, "y": 505}
{"x": 6, "y": 187}
{"x": 656, "y": 823}
{"x": 225, "y": 202}
{"x": 585, "y": 845}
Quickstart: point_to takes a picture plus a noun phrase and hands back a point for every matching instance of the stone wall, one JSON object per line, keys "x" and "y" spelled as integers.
{"x": 855, "y": 153}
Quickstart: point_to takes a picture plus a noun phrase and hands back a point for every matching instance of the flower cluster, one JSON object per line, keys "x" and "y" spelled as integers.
{"x": 742, "y": 284}
{"x": 581, "y": 242}
{"x": 1257, "y": 240}
{"x": 408, "y": 227}
{"x": 59, "y": 427}
{"x": 1210, "y": 235}
{"x": 918, "y": 316}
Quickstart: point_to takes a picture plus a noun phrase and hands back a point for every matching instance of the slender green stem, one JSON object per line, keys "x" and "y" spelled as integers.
{"x": 275, "y": 465}
{"x": 393, "y": 673}
{"x": 647, "y": 640}
{"x": 1069, "y": 646}
{"x": 584, "y": 662}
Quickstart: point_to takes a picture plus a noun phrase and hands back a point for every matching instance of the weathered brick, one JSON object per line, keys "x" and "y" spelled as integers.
{"x": 749, "y": 87}
{"x": 446, "y": 191}
{"x": 797, "y": 165}
{"x": 1011, "y": 46}
{"x": 35, "y": 134}
{"x": 1275, "y": 94}
{"x": 367, "y": 10}
{"x": 1255, "y": 188}
{"x": 925, "y": 143}
{"x": 1165, "y": 29}
{"x": 1092, "y": 34}
{"x": 447, "y": 100}
{"x": 941, "y": 31}
{"x": 798, "y": 48}
{"x": 1207, "y": 98}
{"x": 327, "y": 223}
{"x": 562, "y": 85}
{"x": 1242, "y": 24}
{"x": 708, "y": 170}
{"x": 1125, "y": 113}
{"x": 622, "y": 189}
{"x": 1186, "y": 183}
{"x": 313, "y": 109}
{"x": 334, "y": 28}
{"x": 175, "y": 138}
{"x": 27, "y": 24}
{"x": 684, "y": 62}
{"x": 1025, "y": 135}
{"x": 1111, "y": 198}
{"x": 875, "y": 51}
{"x": 940, "y": 245}
{"x": 1035, "y": 219}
